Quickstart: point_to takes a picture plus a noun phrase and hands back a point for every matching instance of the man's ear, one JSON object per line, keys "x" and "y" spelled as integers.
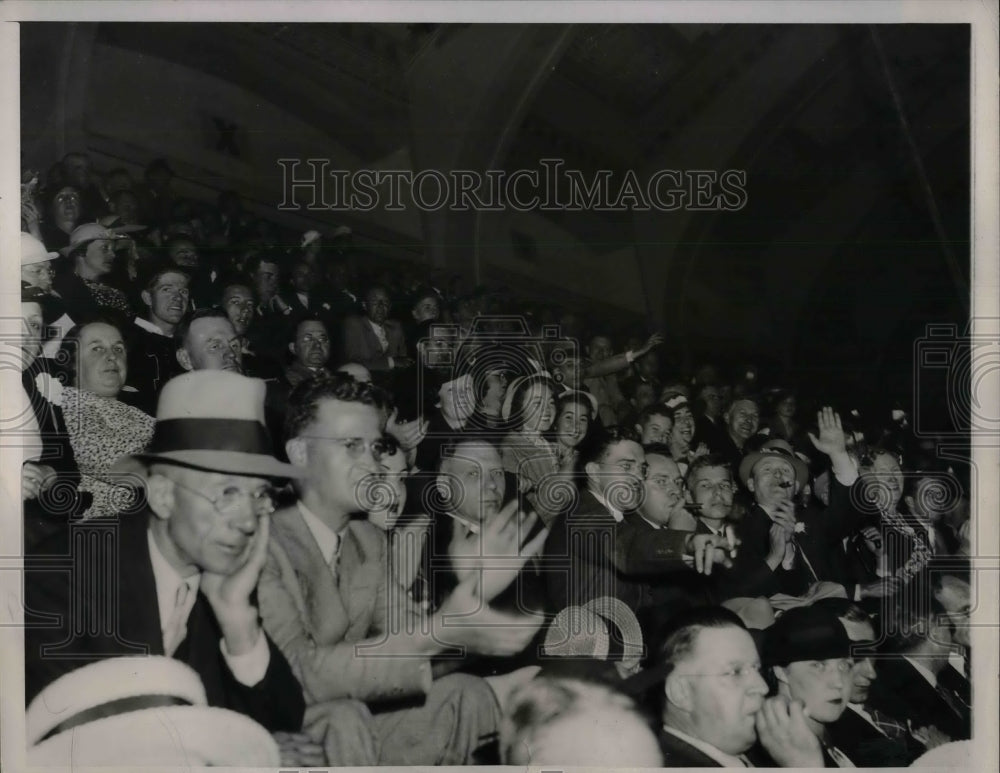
{"x": 638, "y": 428}
{"x": 750, "y": 484}
{"x": 184, "y": 359}
{"x": 592, "y": 469}
{"x": 160, "y": 495}
{"x": 911, "y": 503}
{"x": 780, "y": 674}
{"x": 798, "y": 487}
{"x": 291, "y": 348}
{"x": 298, "y": 452}
{"x": 146, "y": 298}
{"x": 678, "y": 692}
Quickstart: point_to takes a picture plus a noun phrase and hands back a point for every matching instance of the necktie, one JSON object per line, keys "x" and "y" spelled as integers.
{"x": 383, "y": 341}
{"x": 176, "y": 627}
{"x": 892, "y": 728}
{"x": 954, "y": 701}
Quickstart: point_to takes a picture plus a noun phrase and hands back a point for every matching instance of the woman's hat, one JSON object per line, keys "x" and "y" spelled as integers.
{"x": 86, "y": 233}
{"x": 772, "y": 448}
{"x": 140, "y": 711}
{"x": 579, "y": 393}
{"x": 212, "y": 420}
{"x": 586, "y": 632}
{"x": 805, "y": 633}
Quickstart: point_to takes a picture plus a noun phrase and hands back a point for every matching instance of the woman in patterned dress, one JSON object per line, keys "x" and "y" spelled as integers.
{"x": 101, "y": 428}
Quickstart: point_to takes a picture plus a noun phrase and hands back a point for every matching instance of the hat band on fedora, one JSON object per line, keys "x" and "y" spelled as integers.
{"x": 243, "y": 435}
{"x": 114, "y": 708}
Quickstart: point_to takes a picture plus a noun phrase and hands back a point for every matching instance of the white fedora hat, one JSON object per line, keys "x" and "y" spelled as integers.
{"x": 140, "y": 711}
{"x": 33, "y": 251}
{"x": 212, "y": 420}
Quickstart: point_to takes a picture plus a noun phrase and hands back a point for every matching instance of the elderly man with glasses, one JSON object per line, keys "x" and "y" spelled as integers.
{"x": 178, "y": 578}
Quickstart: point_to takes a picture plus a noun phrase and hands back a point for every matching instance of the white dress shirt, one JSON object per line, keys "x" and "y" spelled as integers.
{"x": 328, "y": 540}
{"x": 149, "y": 327}
{"x": 248, "y": 668}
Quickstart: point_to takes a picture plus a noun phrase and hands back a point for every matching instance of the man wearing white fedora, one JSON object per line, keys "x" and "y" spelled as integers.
{"x": 178, "y": 578}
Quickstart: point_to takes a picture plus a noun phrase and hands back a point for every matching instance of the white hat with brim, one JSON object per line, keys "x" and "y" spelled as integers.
{"x": 139, "y": 711}
{"x": 33, "y": 251}
{"x": 211, "y": 420}
{"x": 584, "y": 631}
{"x": 774, "y": 448}
{"x": 86, "y": 233}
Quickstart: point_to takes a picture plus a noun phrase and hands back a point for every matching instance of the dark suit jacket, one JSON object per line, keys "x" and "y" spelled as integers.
{"x": 107, "y": 581}
{"x": 867, "y": 746}
{"x": 361, "y": 345}
{"x": 678, "y": 753}
{"x": 588, "y": 555}
{"x": 900, "y": 691}
{"x": 152, "y": 362}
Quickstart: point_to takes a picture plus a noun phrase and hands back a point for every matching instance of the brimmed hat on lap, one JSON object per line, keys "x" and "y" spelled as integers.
{"x": 140, "y": 711}
{"x": 212, "y": 420}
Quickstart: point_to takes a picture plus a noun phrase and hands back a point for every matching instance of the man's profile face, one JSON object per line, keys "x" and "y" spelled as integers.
{"x": 863, "y": 673}
{"x": 214, "y": 541}
{"x": 727, "y": 689}
{"x": 168, "y": 300}
{"x": 312, "y": 344}
{"x": 266, "y": 280}
{"x": 648, "y": 366}
{"x": 823, "y": 686}
{"x": 184, "y": 253}
{"x": 955, "y": 595}
{"x": 663, "y": 489}
{"x": 772, "y": 480}
{"x": 458, "y": 399}
{"x": 212, "y": 344}
{"x": 237, "y": 301}
{"x": 619, "y": 476}
{"x": 743, "y": 419}
{"x": 712, "y": 488}
{"x": 377, "y": 305}
{"x": 656, "y": 429}
{"x": 600, "y": 348}
{"x": 473, "y": 481}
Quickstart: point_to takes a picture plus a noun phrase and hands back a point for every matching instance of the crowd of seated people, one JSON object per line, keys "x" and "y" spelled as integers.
{"x": 356, "y": 508}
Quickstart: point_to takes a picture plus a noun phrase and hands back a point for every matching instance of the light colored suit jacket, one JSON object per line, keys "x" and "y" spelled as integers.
{"x": 332, "y": 629}
{"x": 361, "y": 345}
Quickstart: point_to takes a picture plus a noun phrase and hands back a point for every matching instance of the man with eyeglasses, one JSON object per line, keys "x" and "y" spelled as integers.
{"x": 715, "y": 707}
{"x": 593, "y": 551}
{"x": 152, "y": 359}
{"x": 177, "y": 579}
{"x": 326, "y": 599}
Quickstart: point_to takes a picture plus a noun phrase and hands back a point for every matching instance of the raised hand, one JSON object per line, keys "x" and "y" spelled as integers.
{"x": 831, "y": 440}
{"x": 408, "y": 433}
{"x": 651, "y": 343}
{"x": 784, "y": 734}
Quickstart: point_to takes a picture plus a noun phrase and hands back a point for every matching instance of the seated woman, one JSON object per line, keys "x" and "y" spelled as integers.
{"x": 84, "y": 285}
{"x": 575, "y": 414}
{"x": 530, "y": 409}
{"x": 808, "y": 657}
{"x": 101, "y": 428}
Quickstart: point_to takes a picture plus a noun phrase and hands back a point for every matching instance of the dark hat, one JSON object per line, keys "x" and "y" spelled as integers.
{"x": 805, "y": 633}
{"x": 776, "y": 447}
{"x": 52, "y": 307}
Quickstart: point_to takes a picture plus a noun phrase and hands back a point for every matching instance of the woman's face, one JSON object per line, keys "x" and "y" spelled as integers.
{"x": 98, "y": 259}
{"x": 539, "y": 408}
{"x": 102, "y": 368}
{"x": 572, "y": 424}
{"x": 426, "y": 309}
{"x": 66, "y": 205}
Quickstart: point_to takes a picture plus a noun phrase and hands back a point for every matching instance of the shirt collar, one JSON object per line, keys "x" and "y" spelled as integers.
{"x": 718, "y": 532}
{"x": 923, "y": 670}
{"x": 726, "y": 760}
{"x": 651, "y": 523}
{"x": 327, "y": 539}
{"x": 470, "y": 526}
{"x": 168, "y": 580}
{"x": 860, "y": 710}
{"x": 616, "y": 514}
{"x": 148, "y": 326}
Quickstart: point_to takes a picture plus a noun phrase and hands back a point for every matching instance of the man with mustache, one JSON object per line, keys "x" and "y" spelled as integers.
{"x": 152, "y": 359}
